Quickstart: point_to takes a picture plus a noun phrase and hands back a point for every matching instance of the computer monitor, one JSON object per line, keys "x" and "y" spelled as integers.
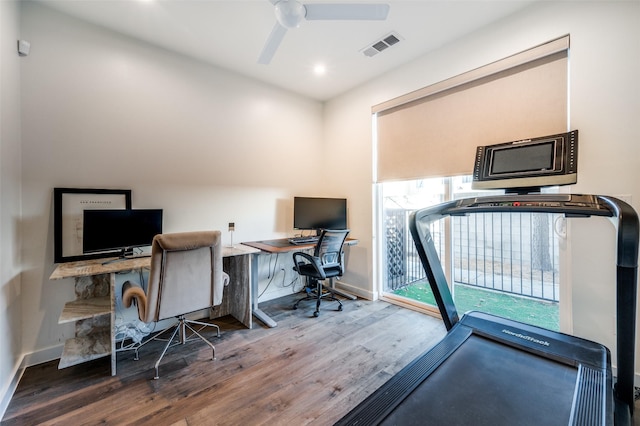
{"x": 117, "y": 230}
{"x": 319, "y": 213}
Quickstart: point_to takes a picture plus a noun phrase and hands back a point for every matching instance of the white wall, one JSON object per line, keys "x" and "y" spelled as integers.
{"x": 208, "y": 146}
{"x": 10, "y": 291}
{"x": 605, "y": 106}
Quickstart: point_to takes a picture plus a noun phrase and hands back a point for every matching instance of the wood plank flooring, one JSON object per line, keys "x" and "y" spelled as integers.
{"x": 306, "y": 371}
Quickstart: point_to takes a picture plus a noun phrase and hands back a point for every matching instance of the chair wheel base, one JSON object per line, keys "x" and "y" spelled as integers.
{"x": 317, "y": 296}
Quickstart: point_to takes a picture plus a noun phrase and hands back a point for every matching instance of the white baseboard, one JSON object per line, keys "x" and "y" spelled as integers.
{"x": 341, "y": 285}
{"x": 9, "y": 388}
{"x": 42, "y": 355}
{"x": 356, "y": 291}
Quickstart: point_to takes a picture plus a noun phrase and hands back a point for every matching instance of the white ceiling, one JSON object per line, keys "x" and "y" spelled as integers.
{"x": 231, "y": 34}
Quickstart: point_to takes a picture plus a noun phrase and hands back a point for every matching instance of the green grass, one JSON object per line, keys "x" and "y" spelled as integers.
{"x": 467, "y": 298}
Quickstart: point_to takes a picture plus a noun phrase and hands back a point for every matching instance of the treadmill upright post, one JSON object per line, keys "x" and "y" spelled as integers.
{"x": 626, "y": 296}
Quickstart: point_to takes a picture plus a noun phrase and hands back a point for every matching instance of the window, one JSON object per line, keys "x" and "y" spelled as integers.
{"x": 502, "y": 263}
{"x": 433, "y": 132}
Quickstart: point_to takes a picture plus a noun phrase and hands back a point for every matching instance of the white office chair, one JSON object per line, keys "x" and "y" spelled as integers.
{"x": 186, "y": 276}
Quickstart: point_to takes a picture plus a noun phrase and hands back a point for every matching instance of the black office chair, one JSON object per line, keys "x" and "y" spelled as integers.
{"x": 327, "y": 262}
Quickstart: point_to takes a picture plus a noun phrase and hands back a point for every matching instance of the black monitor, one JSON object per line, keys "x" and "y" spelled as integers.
{"x": 527, "y": 165}
{"x": 116, "y": 230}
{"x": 319, "y": 213}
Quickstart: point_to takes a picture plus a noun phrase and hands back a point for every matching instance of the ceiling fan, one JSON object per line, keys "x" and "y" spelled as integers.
{"x": 289, "y": 14}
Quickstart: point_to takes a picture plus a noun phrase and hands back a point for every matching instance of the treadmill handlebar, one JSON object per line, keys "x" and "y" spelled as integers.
{"x": 571, "y": 205}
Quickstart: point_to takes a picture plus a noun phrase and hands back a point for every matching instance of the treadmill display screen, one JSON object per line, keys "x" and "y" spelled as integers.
{"x": 523, "y": 159}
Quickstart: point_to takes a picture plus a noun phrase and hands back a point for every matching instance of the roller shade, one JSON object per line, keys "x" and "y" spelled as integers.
{"x": 435, "y": 131}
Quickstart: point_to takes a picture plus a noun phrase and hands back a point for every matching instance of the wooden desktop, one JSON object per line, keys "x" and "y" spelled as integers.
{"x": 282, "y": 245}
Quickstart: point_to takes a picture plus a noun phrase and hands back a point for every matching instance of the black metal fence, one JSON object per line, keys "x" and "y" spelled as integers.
{"x": 507, "y": 252}
{"x": 402, "y": 261}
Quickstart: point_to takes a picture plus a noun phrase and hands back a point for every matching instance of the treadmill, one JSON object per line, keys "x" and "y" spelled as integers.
{"x": 493, "y": 371}
{"x": 490, "y": 370}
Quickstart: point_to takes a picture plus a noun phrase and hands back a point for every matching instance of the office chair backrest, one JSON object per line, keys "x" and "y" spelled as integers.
{"x": 329, "y": 248}
{"x": 186, "y": 274}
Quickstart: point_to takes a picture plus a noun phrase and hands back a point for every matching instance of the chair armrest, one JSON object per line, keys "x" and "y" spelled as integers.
{"x": 308, "y": 259}
{"x": 133, "y": 293}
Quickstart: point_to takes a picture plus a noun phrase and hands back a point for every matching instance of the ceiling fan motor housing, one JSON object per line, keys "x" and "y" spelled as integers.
{"x": 290, "y": 13}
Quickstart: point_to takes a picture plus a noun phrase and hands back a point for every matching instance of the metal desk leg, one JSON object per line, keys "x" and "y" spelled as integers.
{"x": 264, "y": 318}
{"x": 339, "y": 292}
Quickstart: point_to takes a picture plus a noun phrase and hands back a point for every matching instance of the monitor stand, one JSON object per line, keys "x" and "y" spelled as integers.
{"x": 126, "y": 254}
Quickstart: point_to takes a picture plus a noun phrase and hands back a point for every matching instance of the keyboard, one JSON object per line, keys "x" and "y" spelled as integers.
{"x": 303, "y": 240}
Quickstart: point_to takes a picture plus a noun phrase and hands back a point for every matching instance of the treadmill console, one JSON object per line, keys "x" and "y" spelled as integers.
{"x": 568, "y": 204}
{"x": 527, "y": 165}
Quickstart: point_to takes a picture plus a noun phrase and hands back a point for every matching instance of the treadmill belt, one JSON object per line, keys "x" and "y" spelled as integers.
{"x": 487, "y": 383}
{"x": 493, "y": 371}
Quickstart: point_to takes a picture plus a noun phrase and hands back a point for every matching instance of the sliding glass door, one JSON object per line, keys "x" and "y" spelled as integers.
{"x": 504, "y": 263}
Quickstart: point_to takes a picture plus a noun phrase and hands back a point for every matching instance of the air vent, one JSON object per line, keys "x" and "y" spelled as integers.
{"x": 380, "y": 45}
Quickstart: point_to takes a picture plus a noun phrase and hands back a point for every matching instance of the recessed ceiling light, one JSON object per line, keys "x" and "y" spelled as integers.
{"x": 319, "y": 69}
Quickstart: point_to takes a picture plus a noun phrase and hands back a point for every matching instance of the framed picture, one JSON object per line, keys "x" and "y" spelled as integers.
{"x": 68, "y": 206}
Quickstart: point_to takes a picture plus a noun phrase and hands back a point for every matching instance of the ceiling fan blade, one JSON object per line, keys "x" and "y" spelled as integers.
{"x": 347, "y": 11}
{"x": 273, "y": 41}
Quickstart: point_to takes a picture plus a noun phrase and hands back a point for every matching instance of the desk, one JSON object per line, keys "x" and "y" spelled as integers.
{"x": 93, "y": 310}
{"x": 283, "y": 245}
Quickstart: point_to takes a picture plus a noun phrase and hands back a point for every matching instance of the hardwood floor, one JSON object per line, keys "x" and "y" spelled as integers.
{"x": 305, "y": 371}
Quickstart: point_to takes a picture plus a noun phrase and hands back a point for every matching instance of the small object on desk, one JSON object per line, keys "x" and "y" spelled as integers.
{"x": 232, "y": 227}
{"x": 303, "y": 240}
